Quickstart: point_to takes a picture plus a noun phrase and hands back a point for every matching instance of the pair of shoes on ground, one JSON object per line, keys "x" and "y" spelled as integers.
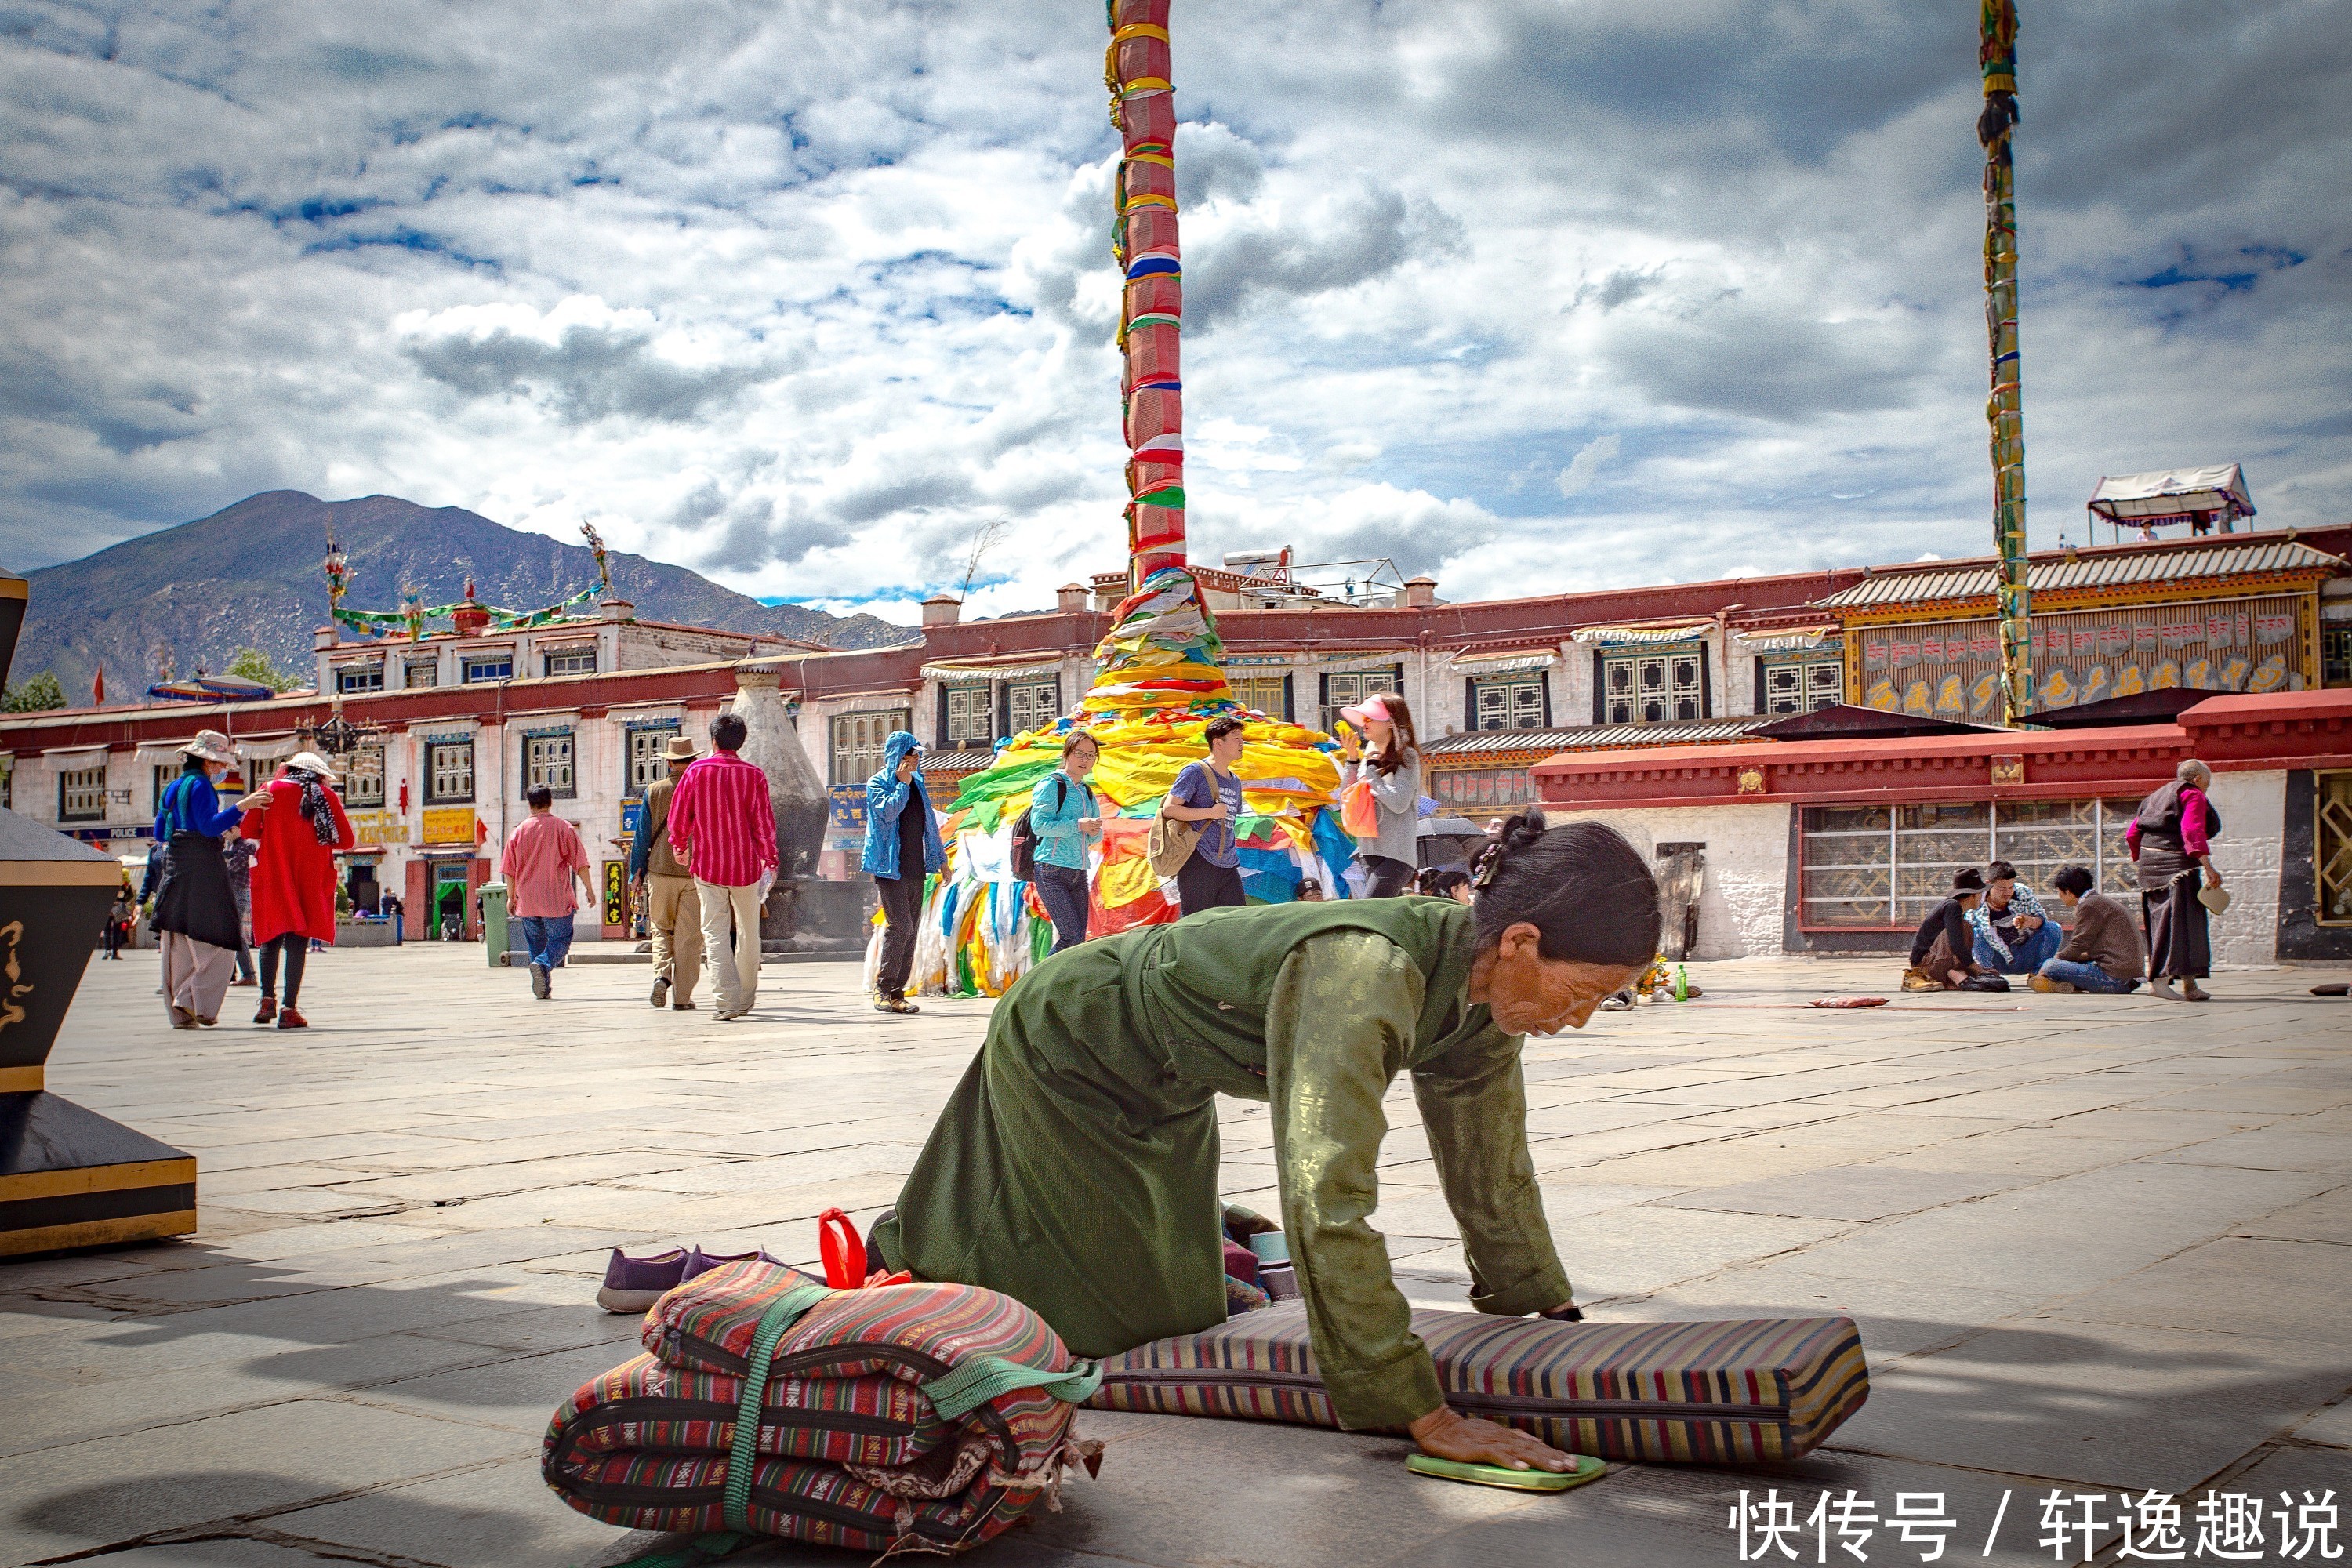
{"x": 2190, "y": 991}
{"x": 635, "y": 1284}
{"x": 184, "y": 1019}
{"x": 893, "y": 1004}
{"x": 286, "y": 1017}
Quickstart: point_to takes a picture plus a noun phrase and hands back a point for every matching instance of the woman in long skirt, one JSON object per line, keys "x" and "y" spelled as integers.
{"x": 195, "y": 921}
{"x": 1076, "y": 1167}
{"x": 2169, "y": 838}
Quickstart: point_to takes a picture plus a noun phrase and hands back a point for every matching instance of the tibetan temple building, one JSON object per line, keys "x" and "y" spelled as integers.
{"x": 1825, "y": 742}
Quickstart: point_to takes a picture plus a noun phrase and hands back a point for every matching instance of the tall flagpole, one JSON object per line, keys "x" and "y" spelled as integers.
{"x": 1152, "y": 312}
{"x": 1997, "y": 54}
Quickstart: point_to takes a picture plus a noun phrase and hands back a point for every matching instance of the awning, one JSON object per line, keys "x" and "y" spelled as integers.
{"x": 990, "y": 671}
{"x": 1504, "y": 661}
{"x": 158, "y": 755}
{"x": 2173, "y": 494}
{"x": 1640, "y": 637}
{"x": 268, "y": 748}
{"x": 65, "y": 756}
{"x": 1800, "y": 639}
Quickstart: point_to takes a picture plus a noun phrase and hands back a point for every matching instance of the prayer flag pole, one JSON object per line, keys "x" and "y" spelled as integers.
{"x": 1997, "y": 55}
{"x": 1152, "y": 312}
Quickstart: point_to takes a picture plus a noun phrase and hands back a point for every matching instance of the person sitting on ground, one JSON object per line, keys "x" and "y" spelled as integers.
{"x": 1936, "y": 964}
{"x": 2013, "y": 933}
{"x": 2105, "y": 952}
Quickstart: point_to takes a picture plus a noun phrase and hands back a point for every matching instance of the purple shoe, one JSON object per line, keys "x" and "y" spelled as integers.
{"x": 700, "y": 1262}
{"x": 635, "y": 1284}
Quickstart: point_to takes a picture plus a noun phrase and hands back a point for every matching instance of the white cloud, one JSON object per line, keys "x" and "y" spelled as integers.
{"x": 803, "y": 297}
{"x": 1576, "y": 478}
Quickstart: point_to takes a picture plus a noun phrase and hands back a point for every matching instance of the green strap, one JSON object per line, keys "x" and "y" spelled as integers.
{"x": 985, "y": 1377}
{"x": 743, "y": 1454}
{"x": 704, "y": 1549}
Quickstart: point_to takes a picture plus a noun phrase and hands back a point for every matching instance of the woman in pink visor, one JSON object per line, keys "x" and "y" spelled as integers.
{"x": 1389, "y": 760}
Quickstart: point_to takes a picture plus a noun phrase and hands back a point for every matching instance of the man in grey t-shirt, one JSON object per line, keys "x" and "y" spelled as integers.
{"x": 1210, "y": 793}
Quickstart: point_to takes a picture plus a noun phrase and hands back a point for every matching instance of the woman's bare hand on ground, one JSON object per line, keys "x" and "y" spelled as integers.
{"x": 1468, "y": 1440}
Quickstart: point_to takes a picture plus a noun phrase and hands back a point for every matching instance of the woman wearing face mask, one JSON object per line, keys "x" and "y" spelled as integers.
{"x": 1076, "y": 1167}
{"x": 196, "y": 921}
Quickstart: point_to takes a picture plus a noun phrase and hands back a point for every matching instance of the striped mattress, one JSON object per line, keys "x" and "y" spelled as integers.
{"x": 1713, "y": 1393}
{"x": 850, "y": 1449}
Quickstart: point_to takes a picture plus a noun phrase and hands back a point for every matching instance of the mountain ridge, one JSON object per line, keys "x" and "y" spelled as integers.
{"x": 249, "y": 574}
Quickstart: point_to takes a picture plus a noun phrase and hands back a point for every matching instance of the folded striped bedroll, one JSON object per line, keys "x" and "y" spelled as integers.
{"x": 931, "y": 1416}
{"x": 1723, "y": 1393}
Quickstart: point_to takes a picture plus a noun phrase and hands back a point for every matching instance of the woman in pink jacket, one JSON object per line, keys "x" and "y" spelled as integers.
{"x": 2169, "y": 838}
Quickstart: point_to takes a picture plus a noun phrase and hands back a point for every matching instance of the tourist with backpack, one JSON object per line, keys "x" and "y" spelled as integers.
{"x": 1061, "y": 819}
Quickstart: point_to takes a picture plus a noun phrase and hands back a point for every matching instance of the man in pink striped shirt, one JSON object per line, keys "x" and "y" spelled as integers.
{"x": 722, "y": 826}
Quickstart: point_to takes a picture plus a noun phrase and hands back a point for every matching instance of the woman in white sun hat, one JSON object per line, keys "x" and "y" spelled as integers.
{"x": 196, "y": 922}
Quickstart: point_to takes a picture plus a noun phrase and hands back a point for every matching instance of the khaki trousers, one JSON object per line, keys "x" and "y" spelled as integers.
{"x": 195, "y": 975}
{"x": 675, "y": 913}
{"x": 736, "y": 982}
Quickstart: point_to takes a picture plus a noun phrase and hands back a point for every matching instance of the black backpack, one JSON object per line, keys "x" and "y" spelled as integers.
{"x": 1025, "y": 835}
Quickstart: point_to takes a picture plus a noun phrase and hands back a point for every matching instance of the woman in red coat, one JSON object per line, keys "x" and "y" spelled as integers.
{"x": 297, "y": 835}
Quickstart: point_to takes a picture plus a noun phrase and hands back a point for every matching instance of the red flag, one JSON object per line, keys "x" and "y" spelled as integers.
{"x": 97, "y": 689}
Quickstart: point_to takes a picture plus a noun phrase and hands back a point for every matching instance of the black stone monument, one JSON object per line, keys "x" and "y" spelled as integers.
{"x": 69, "y": 1177}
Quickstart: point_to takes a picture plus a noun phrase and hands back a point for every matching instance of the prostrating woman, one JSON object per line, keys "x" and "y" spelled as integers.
{"x": 1074, "y": 1168}
{"x": 299, "y": 823}
{"x": 196, "y": 922}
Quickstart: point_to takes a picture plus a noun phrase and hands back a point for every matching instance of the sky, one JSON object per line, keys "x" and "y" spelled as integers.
{"x": 1534, "y": 297}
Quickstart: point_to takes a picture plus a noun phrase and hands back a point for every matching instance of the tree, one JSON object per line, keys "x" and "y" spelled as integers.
{"x": 252, "y": 664}
{"x": 42, "y": 691}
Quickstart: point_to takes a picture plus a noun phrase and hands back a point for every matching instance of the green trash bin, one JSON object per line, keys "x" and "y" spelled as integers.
{"x": 494, "y": 924}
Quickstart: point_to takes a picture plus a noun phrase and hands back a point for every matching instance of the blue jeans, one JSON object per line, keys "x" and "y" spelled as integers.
{"x": 1063, "y": 892}
{"x": 549, "y": 937}
{"x": 2027, "y": 954}
{"x": 2087, "y": 977}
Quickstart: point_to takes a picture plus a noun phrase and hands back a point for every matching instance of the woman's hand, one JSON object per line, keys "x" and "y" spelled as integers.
{"x": 257, "y": 801}
{"x": 2213, "y": 875}
{"x": 1090, "y": 826}
{"x": 1468, "y": 1440}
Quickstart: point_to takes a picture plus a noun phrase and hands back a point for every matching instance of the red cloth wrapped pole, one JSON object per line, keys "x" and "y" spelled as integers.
{"x": 1137, "y": 70}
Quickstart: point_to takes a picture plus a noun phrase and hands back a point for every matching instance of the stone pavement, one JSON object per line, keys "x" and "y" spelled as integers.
{"x": 2094, "y": 1244}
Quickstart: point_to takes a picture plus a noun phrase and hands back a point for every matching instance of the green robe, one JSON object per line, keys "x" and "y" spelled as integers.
{"x": 1074, "y": 1168}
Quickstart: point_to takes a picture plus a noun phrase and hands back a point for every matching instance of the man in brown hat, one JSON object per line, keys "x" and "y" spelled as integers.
{"x": 673, "y": 913}
{"x": 1943, "y": 948}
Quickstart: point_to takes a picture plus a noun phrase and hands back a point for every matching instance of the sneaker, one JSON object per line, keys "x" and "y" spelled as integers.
{"x": 728, "y": 1014}
{"x": 661, "y": 990}
{"x": 538, "y": 986}
{"x": 635, "y": 1284}
{"x": 900, "y": 1005}
{"x": 882, "y": 1004}
{"x": 288, "y": 1018}
{"x": 268, "y": 1011}
{"x": 699, "y": 1262}
{"x": 2050, "y": 987}
{"x": 681, "y": 1006}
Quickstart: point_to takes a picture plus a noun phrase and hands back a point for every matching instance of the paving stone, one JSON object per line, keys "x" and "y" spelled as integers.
{"x": 1842, "y": 1192}
{"x": 2234, "y": 1286}
{"x": 77, "y": 1496}
{"x": 2096, "y": 1403}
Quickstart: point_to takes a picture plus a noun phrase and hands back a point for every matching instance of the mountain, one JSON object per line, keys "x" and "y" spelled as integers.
{"x": 250, "y": 574}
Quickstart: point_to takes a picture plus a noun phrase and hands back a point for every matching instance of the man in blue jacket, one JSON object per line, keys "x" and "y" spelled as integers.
{"x": 902, "y": 847}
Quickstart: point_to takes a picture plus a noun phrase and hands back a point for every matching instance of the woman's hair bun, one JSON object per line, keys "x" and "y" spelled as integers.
{"x": 1507, "y": 837}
